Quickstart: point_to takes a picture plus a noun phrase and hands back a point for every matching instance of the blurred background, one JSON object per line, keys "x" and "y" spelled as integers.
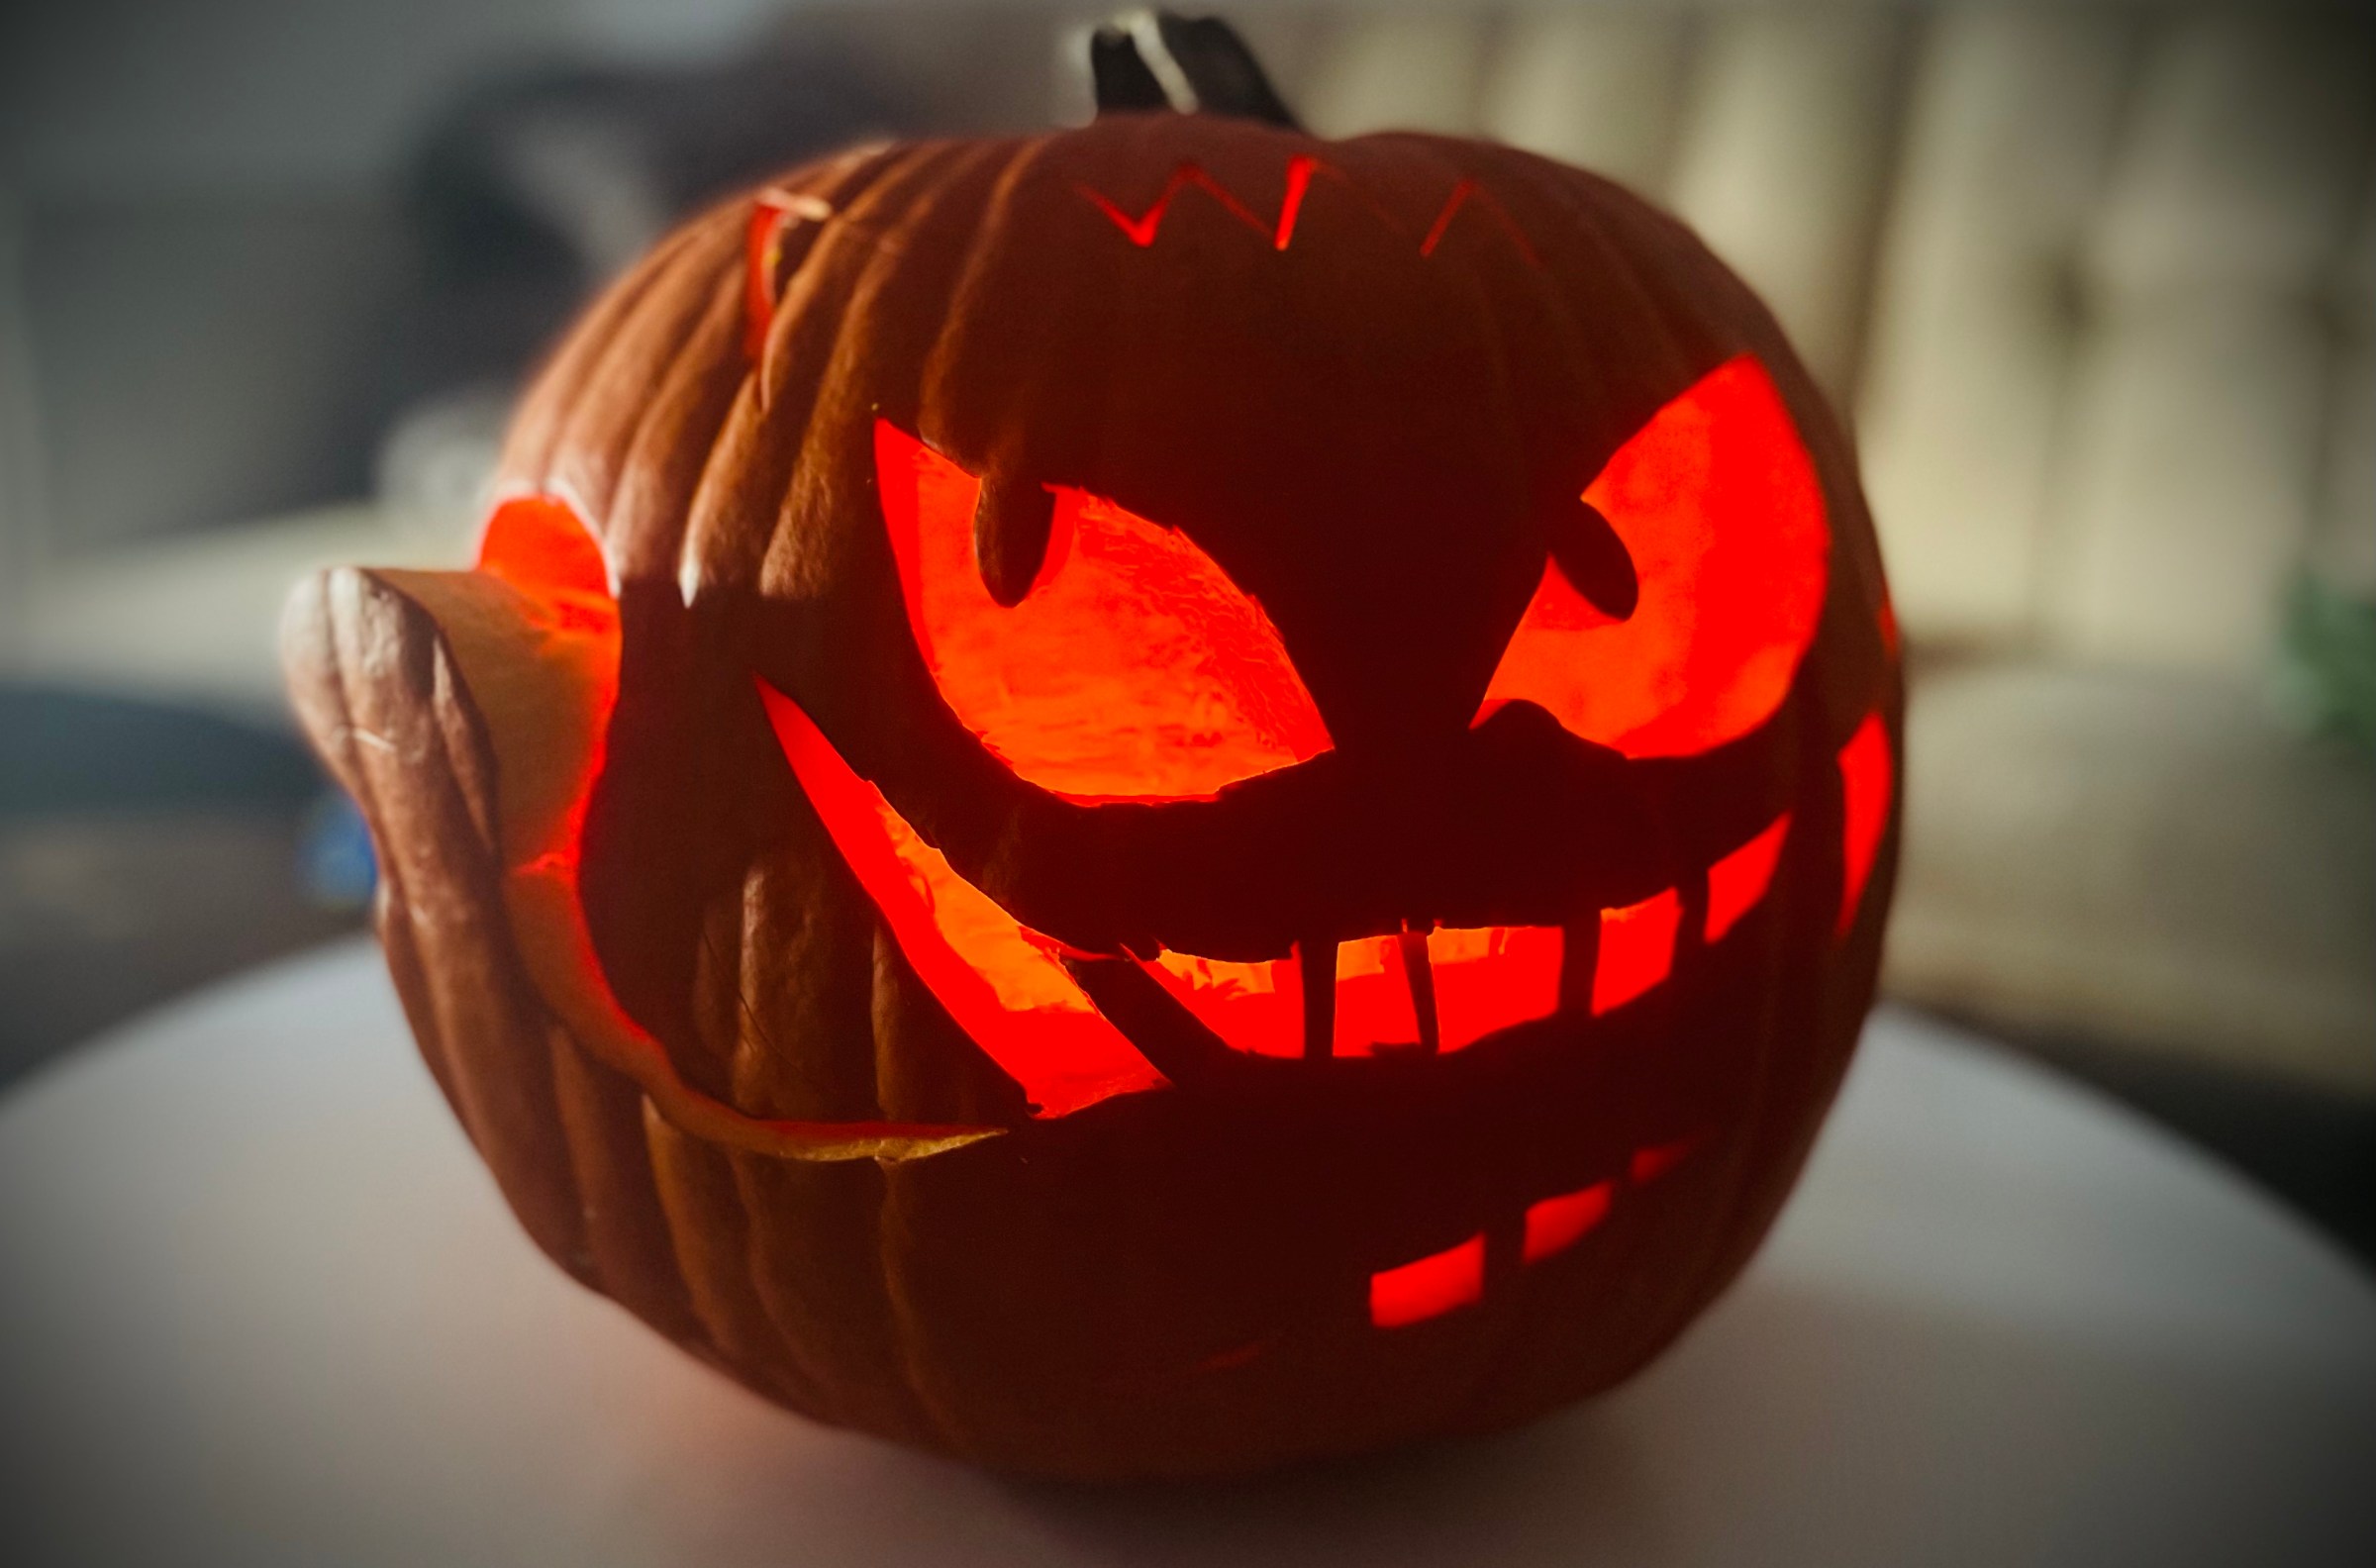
{"x": 2094, "y": 283}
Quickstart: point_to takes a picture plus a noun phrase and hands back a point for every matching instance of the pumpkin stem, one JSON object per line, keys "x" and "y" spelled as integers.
{"x": 1153, "y": 60}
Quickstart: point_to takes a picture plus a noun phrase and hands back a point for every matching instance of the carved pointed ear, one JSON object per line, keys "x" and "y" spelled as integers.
{"x": 1152, "y": 59}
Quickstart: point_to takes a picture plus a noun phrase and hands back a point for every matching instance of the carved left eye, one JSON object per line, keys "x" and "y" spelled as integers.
{"x": 1127, "y": 665}
{"x": 1717, "y": 507}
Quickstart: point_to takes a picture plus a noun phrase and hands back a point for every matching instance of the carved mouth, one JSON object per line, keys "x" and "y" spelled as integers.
{"x": 1019, "y": 992}
{"x": 1419, "y": 992}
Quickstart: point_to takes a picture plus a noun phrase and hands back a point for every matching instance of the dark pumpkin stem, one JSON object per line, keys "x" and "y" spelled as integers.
{"x": 1153, "y": 60}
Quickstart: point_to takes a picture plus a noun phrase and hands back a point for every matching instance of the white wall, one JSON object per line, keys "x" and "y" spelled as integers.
{"x": 195, "y": 237}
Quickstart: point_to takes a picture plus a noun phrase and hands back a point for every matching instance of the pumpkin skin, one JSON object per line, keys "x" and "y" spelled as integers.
{"x": 720, "y": 1081}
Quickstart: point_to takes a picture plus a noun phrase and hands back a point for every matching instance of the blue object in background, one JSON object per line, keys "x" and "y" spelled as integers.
{"x": 335, "y": 861}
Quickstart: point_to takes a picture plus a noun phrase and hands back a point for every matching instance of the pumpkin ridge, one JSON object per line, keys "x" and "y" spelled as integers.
{"x": 557, "y": 385}
{"x": 668, "y": 441}
{"x": 413, "y": 705}
{"x": 708, "y": 1228}
{"x": 883, "y": 270}
{"x": 626, "y": 1233}
{"x": 670, "y": 444}
{"x": 806, "y": 200}
{"x": 1359, "y": 409}
{"x": 801, "y": 544}
{"x": 591, "y": 448}
{"x": 733, "y": 512}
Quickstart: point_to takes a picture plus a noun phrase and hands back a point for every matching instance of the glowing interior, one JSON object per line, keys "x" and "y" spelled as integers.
{"x": 1144, "y": 228}
{"x": 1864, "y": 781}
{"x": 1468, "y": 192}
{"x": 1485, "y": 979}
{"x": 1442, "y": 1282}
{"x": 1002, "y": 983}
{"x": 1005, "y": 985}
{"x": 536, "y": 544}
{"x": 1638, "y": 947}
{"x": 1134, "y": 669}
{"x": 1491, "y": 978}
{"x": 1557, "y": 1224}
{"x": 1737, "y": 881}
{"x": 1719, "y": 508}
{"x": 1655, "y": 1160}
{"x": 532, "y": 635}
{"x": 772, "y": 214}
{"x": 1430, "y": 1286}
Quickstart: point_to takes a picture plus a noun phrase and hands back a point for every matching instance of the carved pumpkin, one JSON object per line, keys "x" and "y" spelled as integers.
{"x": 1150, "y": 800}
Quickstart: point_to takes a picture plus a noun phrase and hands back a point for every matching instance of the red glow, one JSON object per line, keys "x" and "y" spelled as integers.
{"x": 533, "y": 634}
{"x": 1492, "y": 977}
{"x": 1655, "y": 1160}
{"x": 771, "y": 213}
{"x": 1430, "y": 1287}
{"x": 1486, "y": 979}
{"x": 1737, "y": 881}
{"x": 1000, "y": 981}
{"x": 1373, "y": 997}
{"x": 1468, "y": 193}
{"x": 1557, "y": 1224}
{"x": 1142, "y": 229}
{"x": 537, "y": 544}
{"x": 762, "y": 245}
{"x": 1299, "y": 180}
{"x": 1864, "y": 783}
{"x": 1134, "y": 669}
{"x": 1718, "y": 504}
{"x": 1255, "y": 1008}
{"x": 1638, "y": 947}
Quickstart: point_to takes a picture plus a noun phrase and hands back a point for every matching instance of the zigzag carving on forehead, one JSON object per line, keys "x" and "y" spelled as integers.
{"x": 1466, "y": 194}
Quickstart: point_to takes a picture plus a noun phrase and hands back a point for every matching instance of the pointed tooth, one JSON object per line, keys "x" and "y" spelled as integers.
{"x": 1316, "y": 963}
{"x": 1419, "y": 972}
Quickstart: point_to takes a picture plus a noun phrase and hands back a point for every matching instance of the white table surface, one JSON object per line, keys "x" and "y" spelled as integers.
{"x": 260, "y": 1304}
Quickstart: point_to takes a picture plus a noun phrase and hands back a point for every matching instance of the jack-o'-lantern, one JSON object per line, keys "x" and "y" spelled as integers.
{"x": 1148, "y": 800}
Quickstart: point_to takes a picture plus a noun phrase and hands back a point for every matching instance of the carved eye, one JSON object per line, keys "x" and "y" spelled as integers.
{"x": 1127, "y": 665}
{"x": 1718, "y": 504}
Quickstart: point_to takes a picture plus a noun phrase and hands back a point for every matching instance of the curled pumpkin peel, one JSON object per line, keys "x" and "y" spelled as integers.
{"x": 538, "y": 665}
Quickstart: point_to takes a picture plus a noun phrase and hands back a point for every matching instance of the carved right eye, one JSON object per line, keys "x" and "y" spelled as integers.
{"x": 1718, "y": 506}
{"x": 1129, "y": 665}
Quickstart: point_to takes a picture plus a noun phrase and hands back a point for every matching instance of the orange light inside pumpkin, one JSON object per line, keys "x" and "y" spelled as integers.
{"x": 1002, "y": 983}
{"x": 1638, "y": 947}
{"x": 537, "y": 544}
{"x": 1133, "y": 668}
{"x": 1485, "y": 979}
{"x": 1738, "y": 880}
{"x": 1865, "y": 784}
{"x": 1719, "y": 506}
{"x": 1429, "y": 1287}
{"x": 1554, "y": 1224}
